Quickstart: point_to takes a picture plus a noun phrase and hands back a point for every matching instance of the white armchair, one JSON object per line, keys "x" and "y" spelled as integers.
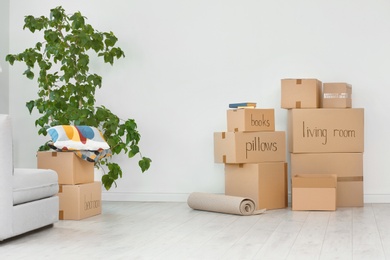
{"x": 28, "y": 197}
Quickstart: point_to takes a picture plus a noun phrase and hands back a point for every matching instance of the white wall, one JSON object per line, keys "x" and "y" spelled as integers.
{"x": 4, "y": 45}
{"x": 186, "y": 60}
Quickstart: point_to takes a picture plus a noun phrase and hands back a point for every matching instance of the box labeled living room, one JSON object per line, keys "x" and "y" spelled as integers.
{"x": 326, "y": 130}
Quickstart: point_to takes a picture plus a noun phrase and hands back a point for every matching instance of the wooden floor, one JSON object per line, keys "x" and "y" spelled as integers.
{"x": 145, "y": 230}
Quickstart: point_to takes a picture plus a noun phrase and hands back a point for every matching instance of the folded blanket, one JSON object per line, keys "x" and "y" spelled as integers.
{"x": 77, "y": 138}
{"x": 85, "y": 141}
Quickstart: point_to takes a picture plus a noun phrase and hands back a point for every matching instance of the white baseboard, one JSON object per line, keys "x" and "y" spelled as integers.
{"x": 182, "y": 197}
{"x": 158, "y": 197}
{"x": 377, "y": 198}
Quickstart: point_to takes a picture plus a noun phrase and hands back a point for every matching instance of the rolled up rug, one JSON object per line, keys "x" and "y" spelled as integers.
{"x": 223, "y": 204}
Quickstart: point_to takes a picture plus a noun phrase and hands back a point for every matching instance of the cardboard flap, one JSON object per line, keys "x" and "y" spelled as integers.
{"x": 314, "y": 181}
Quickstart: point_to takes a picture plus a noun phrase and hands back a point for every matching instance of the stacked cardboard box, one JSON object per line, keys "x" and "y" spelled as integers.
{"x": 254, "y": 155}
{"x": 79, "y": 194}
{"x": 325, "y": 135}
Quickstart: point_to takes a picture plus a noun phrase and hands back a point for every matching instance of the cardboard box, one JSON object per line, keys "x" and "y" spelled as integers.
{"x": 301, "y": 93}
{"x": 80, "y": 201}
{"x": 249, "y": 147}
{"x": 70, "y": 168}
{"x": 265, "y": 183}
{"x": 347, "y": 166}
{"x": 326, "y": 130}
{"x": 314, "y": 192}
{"x": 337, "y": 95}
{"x": 250, "y": 120}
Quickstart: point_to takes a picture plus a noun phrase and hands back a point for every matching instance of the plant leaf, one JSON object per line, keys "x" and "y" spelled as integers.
{"x": 144, "y": 163}
{"x": 30, "y": 105}
{"x": 29, "y": 74}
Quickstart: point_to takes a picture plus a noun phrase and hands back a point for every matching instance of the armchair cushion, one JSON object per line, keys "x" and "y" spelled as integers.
{"x": 33, "y": 184}
{"x": 28, "y": 197}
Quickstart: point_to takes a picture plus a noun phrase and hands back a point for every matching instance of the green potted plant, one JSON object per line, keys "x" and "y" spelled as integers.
{"x": 66, "y": 87}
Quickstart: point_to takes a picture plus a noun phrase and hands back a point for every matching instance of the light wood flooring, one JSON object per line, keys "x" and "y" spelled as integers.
{"x": 166, "y": 230}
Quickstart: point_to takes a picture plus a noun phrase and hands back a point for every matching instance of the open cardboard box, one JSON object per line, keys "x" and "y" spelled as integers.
{"x": 314, "y": 191}
{"x": 347, "y": 166}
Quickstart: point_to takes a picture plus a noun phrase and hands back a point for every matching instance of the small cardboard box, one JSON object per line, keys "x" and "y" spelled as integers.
{"x": 337, "y": 95}
{"x": 265, "y": 183}
{"x": 301, "y": 93}
{"x": 326, "y": 130}
{"x": 314, "y": 192}
{"x": 249, "y": 147}
{"x": 250, "y": 120}
{"x": 80, "y": 201}
{"x": 347, "y": 166}
{"x": 70, "y": 168}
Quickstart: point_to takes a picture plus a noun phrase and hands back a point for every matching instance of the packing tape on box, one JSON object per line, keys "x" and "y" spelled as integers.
{"x": 351, "y": 178}
{"x": 337, "y": 95}
{"x": 223, "y": 204}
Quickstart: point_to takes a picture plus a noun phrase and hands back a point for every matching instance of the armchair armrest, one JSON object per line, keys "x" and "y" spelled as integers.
{"x": 6, "y": 170}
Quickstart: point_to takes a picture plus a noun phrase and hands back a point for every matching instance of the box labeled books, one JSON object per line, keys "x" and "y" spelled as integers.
{"x": 250, "y": 120}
